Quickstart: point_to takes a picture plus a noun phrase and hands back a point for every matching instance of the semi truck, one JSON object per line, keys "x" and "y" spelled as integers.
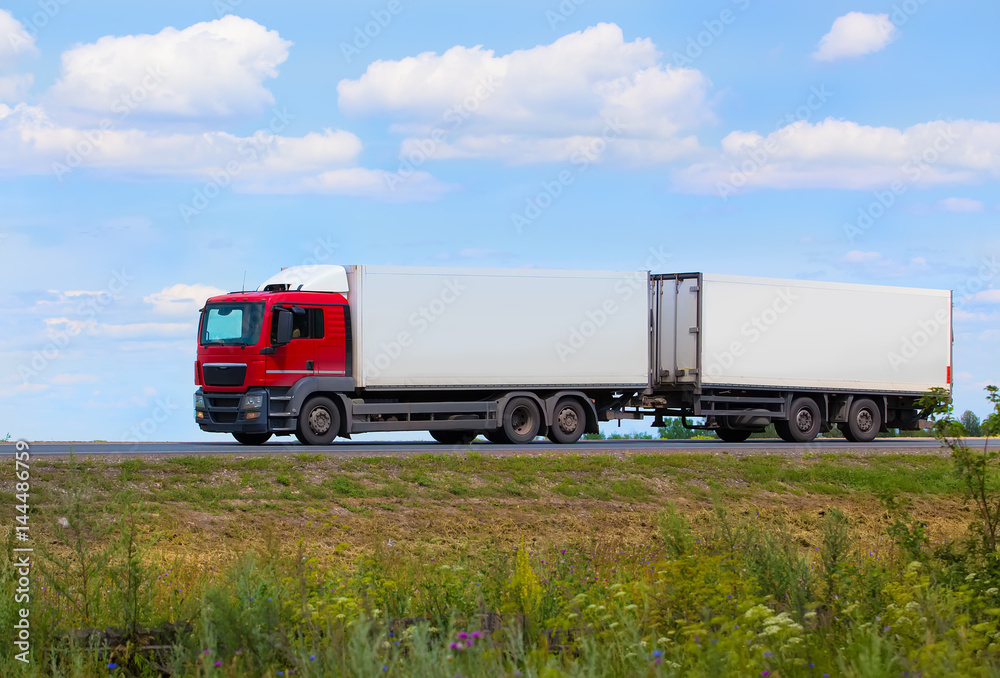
{"x": 324, "y": 351}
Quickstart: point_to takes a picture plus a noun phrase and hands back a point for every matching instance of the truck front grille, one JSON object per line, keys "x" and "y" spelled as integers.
{"x": 224, "y": 374}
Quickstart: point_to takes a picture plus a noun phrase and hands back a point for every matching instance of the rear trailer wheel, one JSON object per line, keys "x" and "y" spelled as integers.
{"x": 732, "y": 435}
{"x": 804, "y": 420}
{"x": 252, "y": 438}
{"x": 319, "y": 422}
{"x": 864, "y": 421}
{"x": 568, "y": 423}
{"x": 454, "y": 437}
{"x": 496, "y": 437}
{"x": 781, "y": 428}
{"x": 521, "y": 420}
{"x": 846, "y": 431}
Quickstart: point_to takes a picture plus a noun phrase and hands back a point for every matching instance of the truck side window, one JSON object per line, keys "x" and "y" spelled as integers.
{"x": 308, "y": 325}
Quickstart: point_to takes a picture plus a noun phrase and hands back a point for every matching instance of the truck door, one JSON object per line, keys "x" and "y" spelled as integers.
{"x": 291, "y": 362}
{"x": 331, "y": 350}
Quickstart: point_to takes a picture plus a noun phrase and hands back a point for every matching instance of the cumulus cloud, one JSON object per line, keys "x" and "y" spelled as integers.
{"x": 847, "y": 155}
{"x": 14, "y": 87}
{"x": 73, "y": 379}
{"x": 961, "y": 205}
{"x": 985, "y": 297}
{"x": 586, "y": 90}
{"x": 181, "y": 299}
{"x": 211, "y": 69}
{"x": 14, "y": 40}
{"x": 856, "y": 34}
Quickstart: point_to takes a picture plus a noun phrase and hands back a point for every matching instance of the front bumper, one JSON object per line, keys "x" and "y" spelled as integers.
{"x": 223, "y": 413}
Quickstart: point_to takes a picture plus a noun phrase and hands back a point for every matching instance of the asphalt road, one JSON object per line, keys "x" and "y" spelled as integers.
{"x": 374, "y": 449}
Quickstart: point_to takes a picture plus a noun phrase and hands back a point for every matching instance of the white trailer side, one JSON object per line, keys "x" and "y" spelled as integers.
{"x": 764, "y": 332}
{"x": 462, "y": 327}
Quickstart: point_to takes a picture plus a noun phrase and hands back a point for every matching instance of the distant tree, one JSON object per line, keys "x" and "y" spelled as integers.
{"x": 674, "y": 430}
{"x": 970, "y": 421}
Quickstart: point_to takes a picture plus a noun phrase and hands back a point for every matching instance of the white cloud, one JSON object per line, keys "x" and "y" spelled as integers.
{"x": 542, "y": 104}
{"x": 857, "y": 256}
{"x": 211, "y": 69}
{"x": 135, "y": 330}
{"x": 985, "y": 297}
{"x": 376, "y": 183}
{"x": 14, "y": 40}
{"x": 73, "y": 379}
{"x": 961, "y": 205}
{"x": 181, "y": 299}
{"x": 14, "y": 87}
{"x": 875, "y": 263}
{"x": 856, "y": 34}
{"x": 844, "y": 154}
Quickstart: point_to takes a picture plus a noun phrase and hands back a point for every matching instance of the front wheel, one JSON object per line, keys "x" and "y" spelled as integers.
{"x": 319, "y": 422}
{"x": 252, "y": 438}
{"x": 521, "y": 420}
{"x": 804, "y": 421}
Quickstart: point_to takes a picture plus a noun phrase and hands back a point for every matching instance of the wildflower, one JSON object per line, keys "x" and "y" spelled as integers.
{"x": 657, "y": 654}
{"x": 218, "y": 663}
{"x": 112, "y": 665}
{"x": 477, "y": 634}
{"x": 207, "y": 651}
{"x": 463, "y": 635}
{"x": 312, "y": 657}
{"x": 765, "y": 673}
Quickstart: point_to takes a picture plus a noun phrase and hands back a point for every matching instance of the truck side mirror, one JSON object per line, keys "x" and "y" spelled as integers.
{"x": 284, "y": 332}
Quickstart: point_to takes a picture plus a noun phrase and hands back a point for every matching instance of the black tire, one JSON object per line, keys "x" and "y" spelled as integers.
{"x": 846, "y": 431}
{"x": 454, "y": 437}
{"x": 732, "y": 435}
{"x": 521, "y": 420}
{"x": 804, "y": 421}
{"x": 781, "y": 428}
{"x": 496, "y": 437}
{"x": 252, "y": 438}
{"x": 568, "y": 422}
{"x": 319, "y": 422}
{"x": 864, "y": 421}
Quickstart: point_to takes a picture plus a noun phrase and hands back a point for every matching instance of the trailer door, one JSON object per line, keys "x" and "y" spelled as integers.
{"x": 676, "y": 334}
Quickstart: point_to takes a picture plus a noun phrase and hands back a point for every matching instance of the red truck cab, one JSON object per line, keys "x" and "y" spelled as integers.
{"x": 254, "y": 347}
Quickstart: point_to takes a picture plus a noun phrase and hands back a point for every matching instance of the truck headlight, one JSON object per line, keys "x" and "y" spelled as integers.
{"x": 199, "y": 401}
{"x": 253, "y": 402}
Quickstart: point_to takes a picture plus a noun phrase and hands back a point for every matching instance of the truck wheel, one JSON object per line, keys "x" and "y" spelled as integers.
{"x": 252, "y": 438}
{"x": 454, "y": 437}
{"x": 864, "y": 421}
{"x": 732, "y": 435}
{"x": 521, "y": 420}
{"x": 569, "y": 422}
{"x": 319, "y": 422}
{"x": 804, "y": 421}
{"x": 496, "y": 437}
{"x": 845, "y": 430}
{"x": 781, "y": 428}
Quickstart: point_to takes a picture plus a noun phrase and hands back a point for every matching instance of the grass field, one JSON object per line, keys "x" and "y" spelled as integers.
{"x": 639, "y": 564}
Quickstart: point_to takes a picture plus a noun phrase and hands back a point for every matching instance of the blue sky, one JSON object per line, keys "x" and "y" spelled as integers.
{"x": 154, "y": 154}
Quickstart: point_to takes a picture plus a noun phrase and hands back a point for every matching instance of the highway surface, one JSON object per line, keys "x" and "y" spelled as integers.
{"x": 369, "y": 449}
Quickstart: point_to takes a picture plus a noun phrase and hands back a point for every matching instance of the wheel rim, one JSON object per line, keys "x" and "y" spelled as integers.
{"x": 521, "y": 421}
{"x": 804, "y": 420}
{"x": 865, "y": 421}
{"x": 320, "y": 421}
{"x": 568, "y": 421}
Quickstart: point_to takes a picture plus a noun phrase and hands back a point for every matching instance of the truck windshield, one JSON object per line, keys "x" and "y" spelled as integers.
{"x": 231, "y": 324}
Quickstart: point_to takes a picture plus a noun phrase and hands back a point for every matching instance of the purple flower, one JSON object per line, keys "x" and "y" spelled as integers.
{"x": 463, "y": 635}
{"x": 112, "y": 665}
{"x": 208, "y": 652}
{"x": 312, "y": 657}
{"x": 218, "y": 663}
{"x": 477, "y": 634}
{"x": 657, "y": 653}
{"x": 765, "y": 673}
